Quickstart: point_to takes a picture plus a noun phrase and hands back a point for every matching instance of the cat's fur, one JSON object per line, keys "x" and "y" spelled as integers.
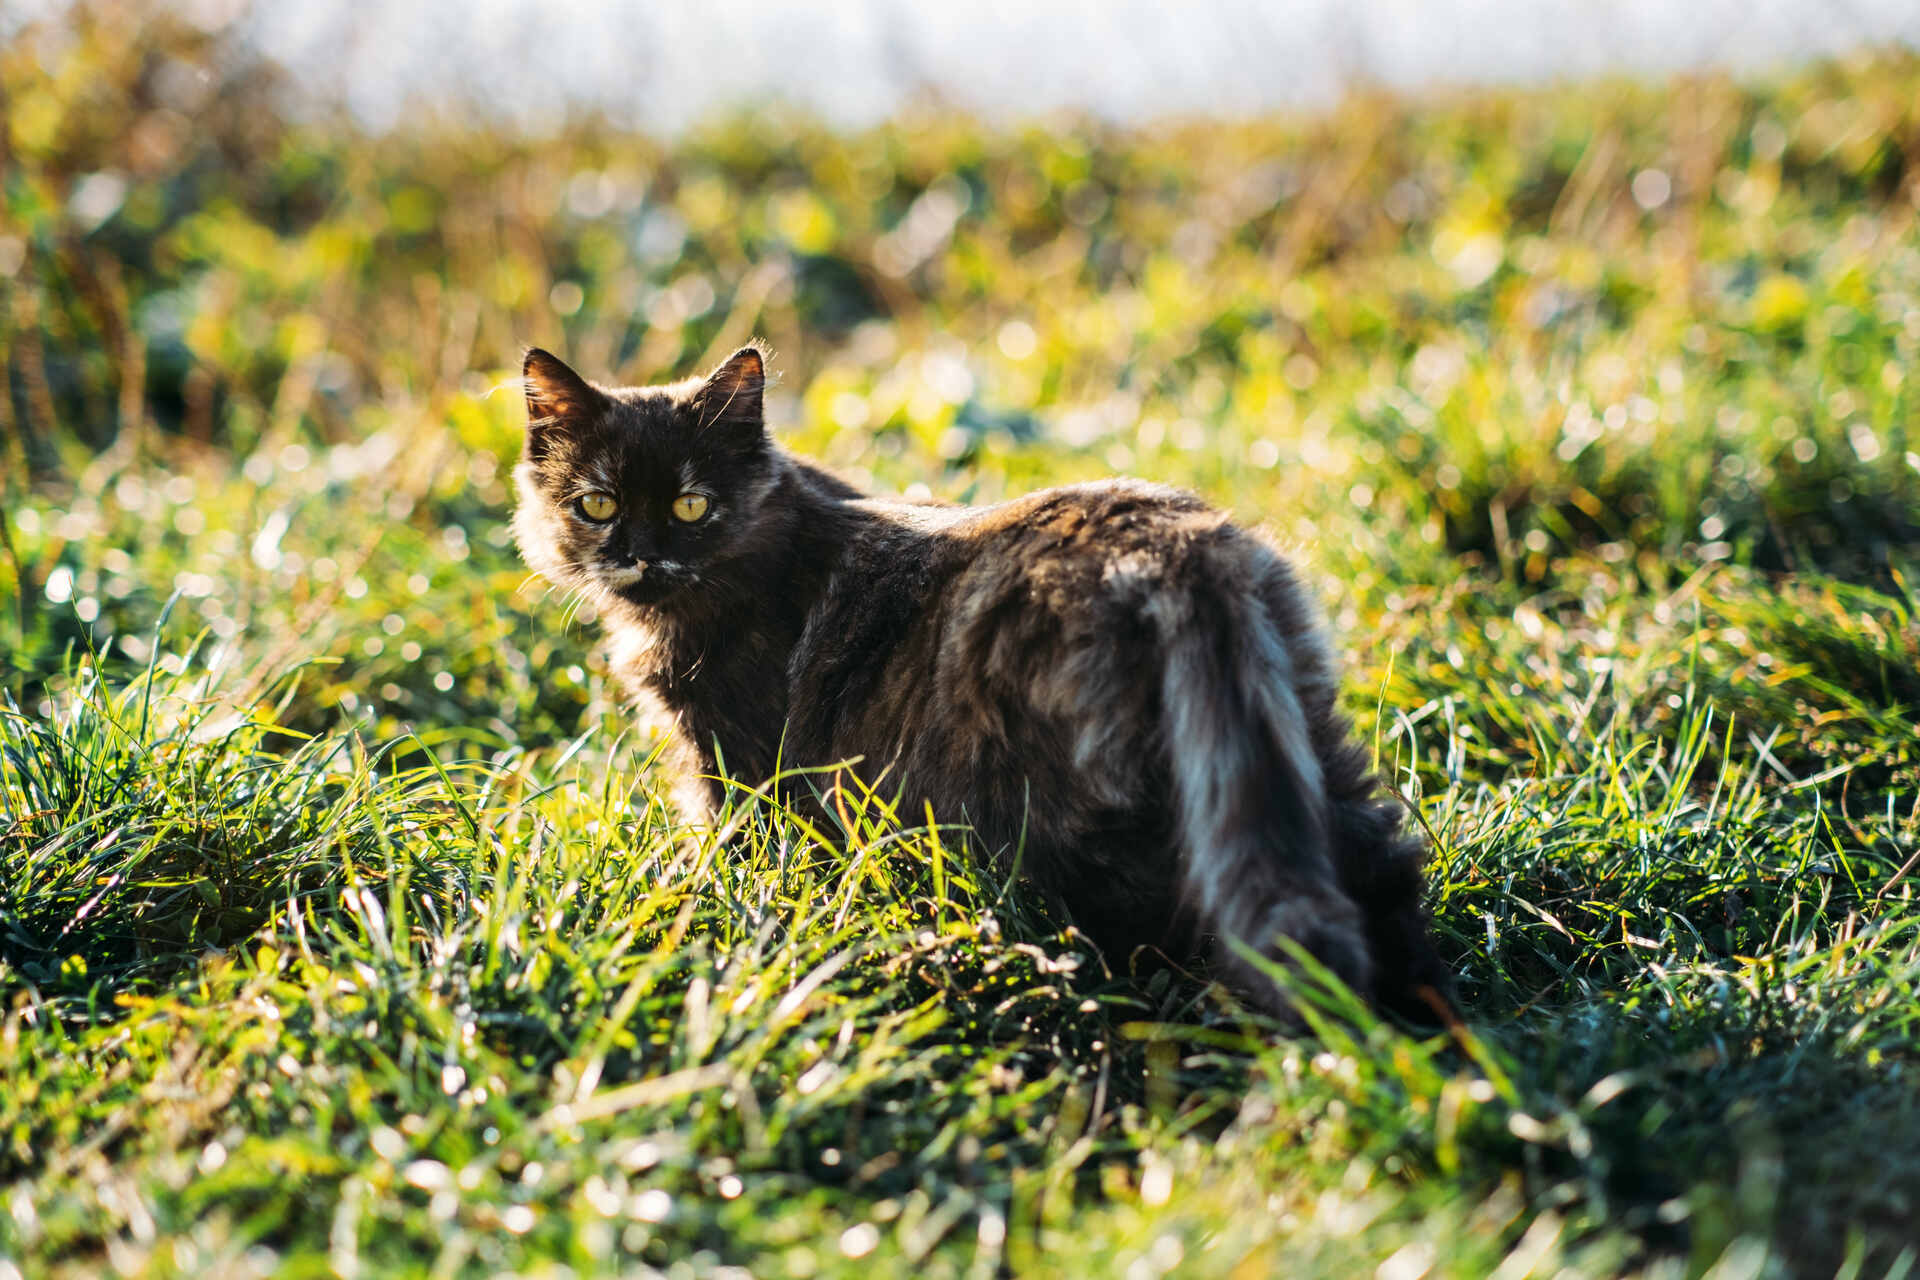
{"x": 1108, "y": 678}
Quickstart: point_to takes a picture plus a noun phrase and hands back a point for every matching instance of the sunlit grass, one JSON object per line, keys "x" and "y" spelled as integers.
{"x": 504, "y": 1009}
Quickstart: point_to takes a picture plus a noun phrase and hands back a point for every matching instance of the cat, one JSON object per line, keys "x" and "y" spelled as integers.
{"x": 1108, "y": 682}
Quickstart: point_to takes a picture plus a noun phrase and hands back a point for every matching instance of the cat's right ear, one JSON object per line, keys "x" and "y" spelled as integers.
{"x": 557, "y": 398}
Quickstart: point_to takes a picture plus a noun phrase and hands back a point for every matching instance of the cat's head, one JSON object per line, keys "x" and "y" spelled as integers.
{"x": 638, "y": 493}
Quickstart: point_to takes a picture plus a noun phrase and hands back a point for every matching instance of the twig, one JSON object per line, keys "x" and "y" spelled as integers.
{"x": 1905, "y": 867}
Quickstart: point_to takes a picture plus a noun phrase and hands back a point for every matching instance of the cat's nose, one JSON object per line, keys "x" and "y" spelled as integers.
{"x": 626, "y": 573}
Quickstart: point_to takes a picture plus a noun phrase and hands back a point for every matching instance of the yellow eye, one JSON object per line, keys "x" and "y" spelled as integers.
{"x": 690, "y": 507}
{"x": 598, "y": 507}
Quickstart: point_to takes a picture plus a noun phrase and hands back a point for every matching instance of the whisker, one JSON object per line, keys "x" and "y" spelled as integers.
{"x": 575, "y": 599}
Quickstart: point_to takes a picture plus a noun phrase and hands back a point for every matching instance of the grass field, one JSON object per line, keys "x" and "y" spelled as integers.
{"x": 343, "y": 926}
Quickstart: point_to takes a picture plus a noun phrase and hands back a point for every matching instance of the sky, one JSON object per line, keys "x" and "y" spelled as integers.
{"x": 666, "y": 64}
{"x": 662, "y": 65}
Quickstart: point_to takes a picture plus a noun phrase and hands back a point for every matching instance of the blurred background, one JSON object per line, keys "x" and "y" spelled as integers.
{"x": 1529, "y": 293}
{"x": 665, "y": 66}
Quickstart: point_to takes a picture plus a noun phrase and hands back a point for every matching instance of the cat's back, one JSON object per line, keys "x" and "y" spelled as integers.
{"x": 1034, "y": 538}
{"x": 949, "y": 616}
{"x": 1061, "y": 556}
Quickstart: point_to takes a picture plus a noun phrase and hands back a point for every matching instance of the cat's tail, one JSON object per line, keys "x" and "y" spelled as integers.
{"x": 1254, "y": 819}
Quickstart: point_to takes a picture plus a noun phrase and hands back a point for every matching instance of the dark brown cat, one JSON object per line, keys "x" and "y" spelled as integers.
{"x": 1107, "y": 678}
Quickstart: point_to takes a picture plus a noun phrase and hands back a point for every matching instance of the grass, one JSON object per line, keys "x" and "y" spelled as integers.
{"x": 344, "y": 928}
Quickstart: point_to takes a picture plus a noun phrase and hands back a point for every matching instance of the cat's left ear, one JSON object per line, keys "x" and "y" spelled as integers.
{"x": 555, "y": 392}
{"x": 558, "y": 400}
{"x": 734, "y": 394}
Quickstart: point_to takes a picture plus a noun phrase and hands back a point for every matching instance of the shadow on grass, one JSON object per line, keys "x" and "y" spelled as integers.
{"x": 1709, "y": 1021}
{"x": 1692, "y": 1137}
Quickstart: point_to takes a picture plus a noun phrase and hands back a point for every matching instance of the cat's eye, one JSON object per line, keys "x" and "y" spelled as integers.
{"x": 689, "y": 507}
{"x": 597, "y": 507}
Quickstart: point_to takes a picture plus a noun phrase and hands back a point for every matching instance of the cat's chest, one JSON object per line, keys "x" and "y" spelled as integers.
{"x": 868, "y": 642}
{"x": 726, "y": 673}
{"x": 744, "y": 654}
{"x": 800, "y": 674}
{"x": 724, "y": 691}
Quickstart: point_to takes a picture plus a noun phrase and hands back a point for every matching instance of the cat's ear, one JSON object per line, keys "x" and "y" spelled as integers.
{"x": 557, "y": 398}
{"x": 734, "y": 394}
